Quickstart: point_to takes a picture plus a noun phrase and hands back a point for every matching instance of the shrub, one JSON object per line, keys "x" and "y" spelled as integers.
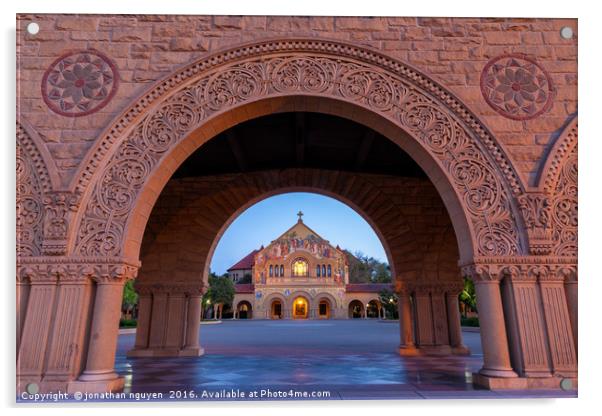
{"x": 472, "y": 321}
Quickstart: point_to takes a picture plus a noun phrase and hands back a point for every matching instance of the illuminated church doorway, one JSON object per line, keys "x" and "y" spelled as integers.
{"x": 300, "y": 308}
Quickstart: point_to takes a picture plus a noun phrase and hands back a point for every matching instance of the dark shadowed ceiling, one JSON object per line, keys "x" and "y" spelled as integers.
{"x": 301, "y": 139}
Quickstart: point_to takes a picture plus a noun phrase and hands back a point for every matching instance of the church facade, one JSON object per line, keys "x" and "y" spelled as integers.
{"x": 300, "y": 275}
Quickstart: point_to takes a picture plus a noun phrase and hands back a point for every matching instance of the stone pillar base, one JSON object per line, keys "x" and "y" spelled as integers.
{"x": 520, "y": 383}
{"x": 166, "y": 352}
{"x": 408, "y": 351}
{"x": 435, "y": 350}
{"x": 461, "y": 350}
{"x": 99, "y": 386}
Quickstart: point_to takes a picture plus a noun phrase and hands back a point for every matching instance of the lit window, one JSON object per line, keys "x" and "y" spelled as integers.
{"x": 300, "y": 268}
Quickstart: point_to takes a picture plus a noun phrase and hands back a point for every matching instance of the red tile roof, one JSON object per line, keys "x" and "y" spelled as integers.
{"x": 368, "y": 287}
{"x": 246, "y": 263}
{"x": 244, "y": 288}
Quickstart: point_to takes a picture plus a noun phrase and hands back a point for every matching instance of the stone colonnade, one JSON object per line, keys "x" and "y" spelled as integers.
{"x": 429, "y": 318}
{"x": 169, "y": 320}
{"x": 68, "y": 313}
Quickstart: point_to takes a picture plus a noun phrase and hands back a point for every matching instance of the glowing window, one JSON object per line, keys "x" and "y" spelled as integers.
{"x": 300, "y": 268}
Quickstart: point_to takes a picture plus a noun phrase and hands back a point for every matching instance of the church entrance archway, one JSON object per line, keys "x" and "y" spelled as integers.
{"x": 244, "y": 310}
{"x": 373, "y": 309}
{"x": 356, "y": 309}
{"x": 300, "y": 308}
{"x": 276, "y": 310}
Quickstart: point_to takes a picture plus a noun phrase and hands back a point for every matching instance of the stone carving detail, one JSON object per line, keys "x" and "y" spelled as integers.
{"x": 80, "y": 270}
{"x": 537, "y": 214}
{"x": 58, "y": 207}
{"x": 398, "y": 93}
{"x": 517, "y": 87}
{"x": 32, "y": 182}
{"x": 79, "y": 83}
{"x": 564, "y": 208}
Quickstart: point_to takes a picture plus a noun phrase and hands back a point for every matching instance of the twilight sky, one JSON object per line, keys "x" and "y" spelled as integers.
{"x": 268, "y": 219}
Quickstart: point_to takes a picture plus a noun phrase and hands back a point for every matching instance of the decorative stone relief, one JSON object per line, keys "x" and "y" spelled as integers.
{"x": 58, "y": 207}
{"x": 564, "y": 208}
{"x": 517, "y": 87}
{"x": 537, "y": 214}
{"x": 474, "y": 163}
{"x": 79, "y": 83}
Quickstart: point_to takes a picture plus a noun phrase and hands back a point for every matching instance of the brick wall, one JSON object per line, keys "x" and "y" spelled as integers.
{"x": 148, "y": 48}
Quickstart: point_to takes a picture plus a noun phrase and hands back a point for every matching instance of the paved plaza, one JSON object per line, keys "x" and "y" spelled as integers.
{"x": 354, "y": 359}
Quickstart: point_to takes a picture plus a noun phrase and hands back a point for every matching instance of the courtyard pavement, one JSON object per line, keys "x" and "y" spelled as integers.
{"x": 277, "y": 360}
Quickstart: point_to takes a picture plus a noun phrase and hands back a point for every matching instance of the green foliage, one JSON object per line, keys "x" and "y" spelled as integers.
{"x": 388, "y": 300}
{"x": 130, "y": 297}
{"x": 127, "y": 323}
{"x": 468, "y": 296}
{"x": 365, "y": 269}
{"x": 221, "y": 290}
{"x": 473, "y": 321}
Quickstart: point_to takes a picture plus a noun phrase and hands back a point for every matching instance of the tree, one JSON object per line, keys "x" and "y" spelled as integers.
{"x": 468, "y": 297}
{"x": 220, "y": 292}
{"x": 365, "y": 269}
{"x": 130, "y": 297}
{"x": 388, "y": 300}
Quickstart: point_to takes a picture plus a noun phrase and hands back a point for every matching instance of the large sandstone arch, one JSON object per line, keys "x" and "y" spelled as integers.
{"x": 502, "y": 232}
{"x": 131, "y": 164}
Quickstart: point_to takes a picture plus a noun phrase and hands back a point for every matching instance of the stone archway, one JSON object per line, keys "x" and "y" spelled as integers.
{"x": 98, "y": 246}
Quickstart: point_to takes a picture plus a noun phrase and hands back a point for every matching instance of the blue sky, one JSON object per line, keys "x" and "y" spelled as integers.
{"x": 268, "y": 219}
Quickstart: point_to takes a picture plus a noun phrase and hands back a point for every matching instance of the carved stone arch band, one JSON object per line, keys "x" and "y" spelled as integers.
{"x": 467, "y": 165}
{"x": 558, "y": 183}
{"x": 34, "y": 181}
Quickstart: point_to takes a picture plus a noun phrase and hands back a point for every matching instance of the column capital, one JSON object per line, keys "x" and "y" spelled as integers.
{"x": 48, "y": 270}
{"x": 521, "y": 269}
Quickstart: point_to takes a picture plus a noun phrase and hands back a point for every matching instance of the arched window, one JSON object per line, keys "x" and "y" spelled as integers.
{"x": 329, "y": 271}
{"x": 318, "y": 270}
{"x": 300, "y": 267}
{"x": 282, "y": 270}
{"x": 271, "y": 270}
{"x": 323, "y": 270}
{"x": 276, "y": 271}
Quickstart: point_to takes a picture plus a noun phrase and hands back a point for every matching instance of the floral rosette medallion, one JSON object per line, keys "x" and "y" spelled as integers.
{"x": 517, "y": 87}
{"x": 79, "y": 83}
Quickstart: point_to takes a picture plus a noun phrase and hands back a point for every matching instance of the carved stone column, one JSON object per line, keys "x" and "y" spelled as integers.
{"x": 425, "y": 336}
{"x": 193, "y": 323}
{"x": 36, "y": 323}
{"x": 570, "y": 287}
{"x": 563, "y": 351}
{"x": 72, "y": 311}
{"x": 440, "y": 328}
{"x": 523, "y": 304}
{"x": 23, "y": 288}
{"x": 494, "y": 341}
{"x": 406, "y": 320}
{"x": 453, "y": 320}
{"x": 99, "y": 374}
{"x": 144, "y": 317}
